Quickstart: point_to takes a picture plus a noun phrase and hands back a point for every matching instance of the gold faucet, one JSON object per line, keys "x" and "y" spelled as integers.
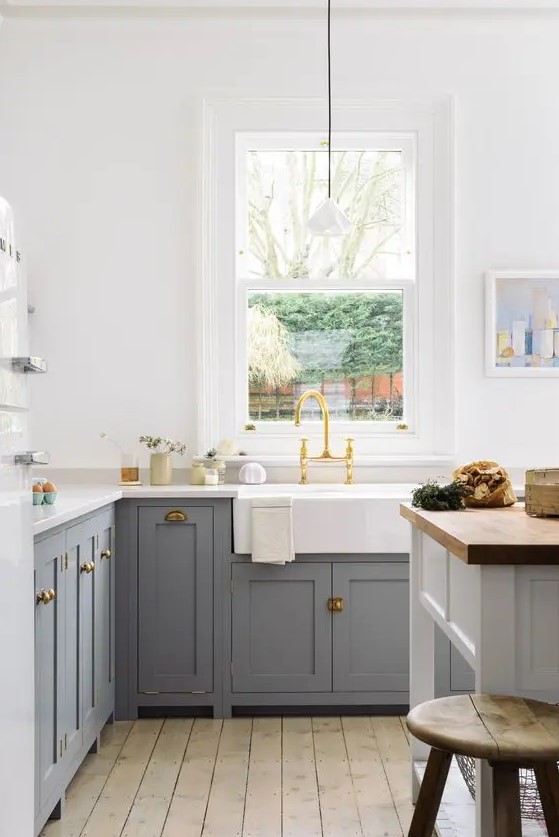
{"x": 304, "y": 457}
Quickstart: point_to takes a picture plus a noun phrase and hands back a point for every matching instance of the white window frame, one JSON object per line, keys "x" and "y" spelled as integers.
{"x": 221, "y": 312}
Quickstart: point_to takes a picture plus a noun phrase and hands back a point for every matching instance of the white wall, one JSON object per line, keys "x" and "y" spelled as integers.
{"x": 96, "y": 156}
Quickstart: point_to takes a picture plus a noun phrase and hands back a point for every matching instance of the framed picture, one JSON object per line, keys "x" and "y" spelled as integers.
{"x": 522, "y": 323}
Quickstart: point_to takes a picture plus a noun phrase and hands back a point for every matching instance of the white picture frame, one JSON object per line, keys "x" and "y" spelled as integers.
{"x": 522, "y": 312}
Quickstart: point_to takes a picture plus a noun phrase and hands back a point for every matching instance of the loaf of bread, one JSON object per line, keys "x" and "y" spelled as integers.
{"x": 489, "y": 484}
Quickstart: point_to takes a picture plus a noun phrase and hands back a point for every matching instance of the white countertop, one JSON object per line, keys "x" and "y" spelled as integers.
{"x": 74, "y": 501}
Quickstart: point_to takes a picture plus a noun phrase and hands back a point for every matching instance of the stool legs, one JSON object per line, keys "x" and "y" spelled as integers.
{"x": 506, "y": 800}
{"x": 547, "y": 778}
{"x": 430, "y": 794}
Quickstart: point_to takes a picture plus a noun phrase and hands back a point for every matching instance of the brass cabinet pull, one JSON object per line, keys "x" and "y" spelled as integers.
{"x": 176, "y": 516}
{"x": 336, "y": 604}
{"x": 106, "y": 553}
{"x": 45, "y": 596}
{"x": 88, "y": 567}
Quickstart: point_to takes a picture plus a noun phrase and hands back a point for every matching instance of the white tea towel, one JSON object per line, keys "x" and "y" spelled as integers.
{"x": 272, "y": 530}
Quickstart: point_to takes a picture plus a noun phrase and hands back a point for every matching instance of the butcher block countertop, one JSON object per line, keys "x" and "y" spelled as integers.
{"x": 490, "y": 536}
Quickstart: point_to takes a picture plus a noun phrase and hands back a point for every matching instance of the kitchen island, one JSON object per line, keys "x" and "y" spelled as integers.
{"x": 489, "y": 578}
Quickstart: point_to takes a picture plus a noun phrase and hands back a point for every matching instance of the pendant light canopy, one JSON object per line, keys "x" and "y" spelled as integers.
{"x": 329, "y": 219}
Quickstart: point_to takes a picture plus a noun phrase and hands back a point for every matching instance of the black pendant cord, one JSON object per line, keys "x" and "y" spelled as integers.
{"x": 329, "y": 102}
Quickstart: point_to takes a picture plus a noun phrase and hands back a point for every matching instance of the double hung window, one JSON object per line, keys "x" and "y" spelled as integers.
{"x": 334, "y": 314}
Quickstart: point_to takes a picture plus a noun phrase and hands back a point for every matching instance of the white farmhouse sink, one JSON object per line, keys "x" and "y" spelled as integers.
{"x": 330, "y": 518}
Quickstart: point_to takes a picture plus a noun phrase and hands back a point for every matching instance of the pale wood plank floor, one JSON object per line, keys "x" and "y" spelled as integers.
{"x": 261, "y": 777}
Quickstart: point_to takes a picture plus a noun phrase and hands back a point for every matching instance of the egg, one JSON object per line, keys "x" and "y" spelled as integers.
{"x": 37, "y": 488}
{"x": 49, "y": 486}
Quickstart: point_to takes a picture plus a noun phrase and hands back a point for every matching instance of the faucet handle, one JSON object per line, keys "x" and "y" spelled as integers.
{"x": 303, "y": 457}
{"x": 349, "y": 461}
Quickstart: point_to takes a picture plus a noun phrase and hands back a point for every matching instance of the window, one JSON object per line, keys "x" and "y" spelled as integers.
{"x": 325, "y": 313}
{"x": 353, "y": 317}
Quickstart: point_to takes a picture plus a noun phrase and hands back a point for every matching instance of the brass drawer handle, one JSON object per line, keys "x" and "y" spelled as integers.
{"x": 88, "y": 567}
{"x": 106, "y": 553}
{"x": 176, "y": 516}
{"x": 45, "y": 596}
{"x": 336, "y": 604}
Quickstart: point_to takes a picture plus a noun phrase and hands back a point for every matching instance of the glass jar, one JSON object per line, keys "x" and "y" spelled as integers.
{"x": 212, "y": 477}
{"x": 197, "y": 474}
{"x": 129, "y": 469}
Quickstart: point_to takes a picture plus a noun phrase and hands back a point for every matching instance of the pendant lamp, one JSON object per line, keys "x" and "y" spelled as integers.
{"x": 328, "y": 219}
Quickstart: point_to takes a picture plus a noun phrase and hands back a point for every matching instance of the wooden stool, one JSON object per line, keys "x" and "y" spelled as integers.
{"x": 508, "y": 732}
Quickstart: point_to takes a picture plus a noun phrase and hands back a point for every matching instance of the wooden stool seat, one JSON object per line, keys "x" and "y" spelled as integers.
{"x": 510, "y": 733}
{"x": 496, "y": 728}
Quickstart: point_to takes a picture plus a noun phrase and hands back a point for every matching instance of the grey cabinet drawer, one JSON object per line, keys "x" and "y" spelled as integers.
{"x": 175, "y": 599}
{"x": 282, "y": 629}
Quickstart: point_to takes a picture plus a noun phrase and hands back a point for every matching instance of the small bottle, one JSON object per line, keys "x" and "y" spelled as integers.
{"x": 221, "y": 468}
{"x": 212, "y": 477}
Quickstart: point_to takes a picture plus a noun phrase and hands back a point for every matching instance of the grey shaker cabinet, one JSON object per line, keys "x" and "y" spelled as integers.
{"x": 72, "y": 640}
{"x": 175, "y": 600}
{"x": 281, "y": 628}
{"x": 371, "y": 633}
{"x": 170, "y": 615}
{"x": 290, "y": 647}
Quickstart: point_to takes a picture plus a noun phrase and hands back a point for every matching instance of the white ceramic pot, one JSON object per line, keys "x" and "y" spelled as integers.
{"x": 252, "y": 474}
{"x": 160, "y": 469}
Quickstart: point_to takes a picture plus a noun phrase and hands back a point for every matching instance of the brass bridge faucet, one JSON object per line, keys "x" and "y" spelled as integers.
{"x": 325, "y": 456}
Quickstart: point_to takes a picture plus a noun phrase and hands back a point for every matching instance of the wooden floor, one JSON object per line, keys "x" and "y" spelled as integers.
{"x": 261, "y": 777}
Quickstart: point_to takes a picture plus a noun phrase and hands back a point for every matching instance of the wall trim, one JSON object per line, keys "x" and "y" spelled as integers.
{"x": 206, "y": 284}
{"x": 507, "y": 10}
{"x": 433, "y": 118}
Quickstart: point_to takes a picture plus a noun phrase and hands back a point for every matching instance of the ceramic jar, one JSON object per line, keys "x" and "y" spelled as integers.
{"x": 160, "y": 469}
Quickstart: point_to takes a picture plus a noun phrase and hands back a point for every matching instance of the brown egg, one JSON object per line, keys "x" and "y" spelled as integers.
{"x": 37, "y": 488}
{"x": 49, "y": 486}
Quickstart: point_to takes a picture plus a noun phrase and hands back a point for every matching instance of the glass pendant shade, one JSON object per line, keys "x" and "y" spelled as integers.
{"x": 329, "y": 220}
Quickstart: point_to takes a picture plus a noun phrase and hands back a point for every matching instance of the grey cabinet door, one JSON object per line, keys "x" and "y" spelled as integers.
{"x": 282, "y": 628}
{"x": 87, "y": 596}
{"x": 175, "y": 600}
{"x": 105, "y": 615}
{"x": 70, "y": 649}
{"x": 49, "y": 736}
{"x": 371, "y": 633}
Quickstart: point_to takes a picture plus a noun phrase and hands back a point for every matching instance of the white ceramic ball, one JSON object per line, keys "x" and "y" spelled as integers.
{"x": 252, "y": 474}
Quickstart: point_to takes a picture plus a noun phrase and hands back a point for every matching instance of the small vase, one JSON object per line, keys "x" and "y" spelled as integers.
{"x": 160, "y": 469}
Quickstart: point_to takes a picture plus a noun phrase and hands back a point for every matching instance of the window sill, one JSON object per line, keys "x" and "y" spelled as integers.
{"x": 380, "y": 460}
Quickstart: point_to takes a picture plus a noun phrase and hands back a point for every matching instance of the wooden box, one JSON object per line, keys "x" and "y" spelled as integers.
{"x": 542, "y": 492}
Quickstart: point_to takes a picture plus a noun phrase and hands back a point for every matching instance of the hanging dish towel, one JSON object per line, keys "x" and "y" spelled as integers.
{"x": 272, "y": 530}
